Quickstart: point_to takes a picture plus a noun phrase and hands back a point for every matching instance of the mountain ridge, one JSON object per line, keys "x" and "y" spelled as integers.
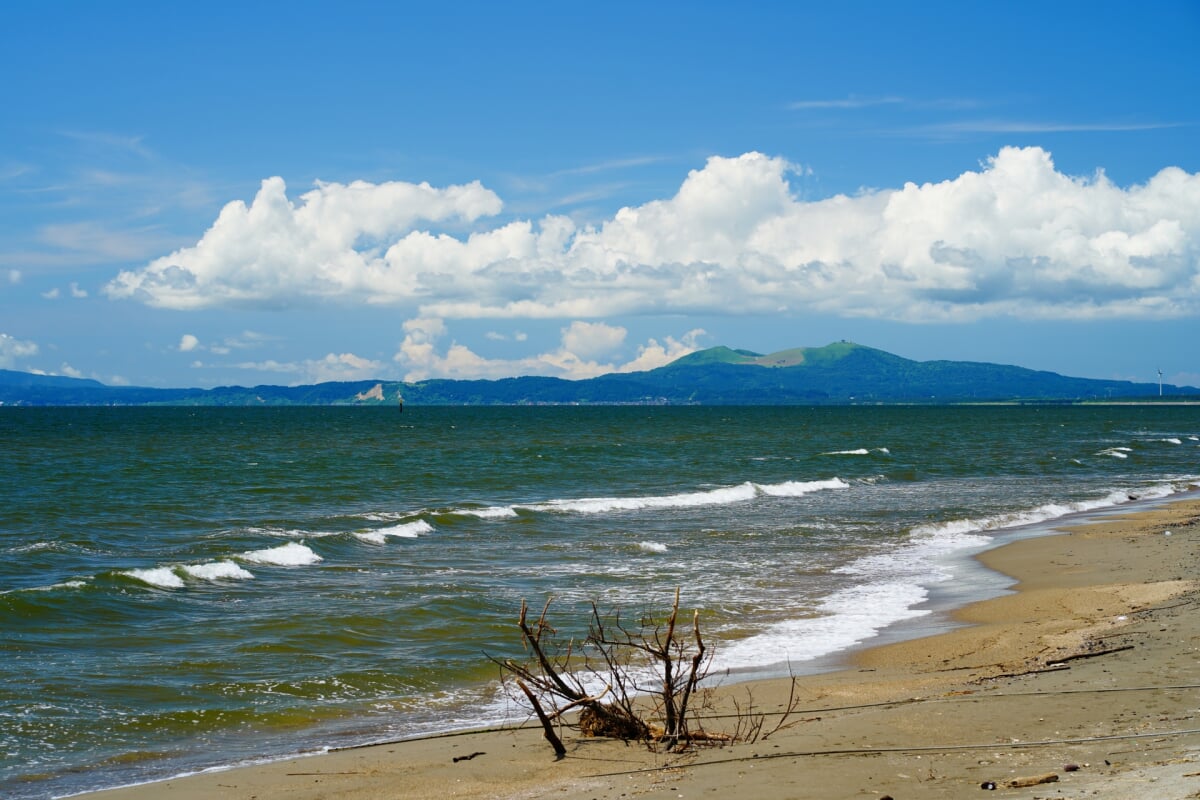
{"x": 840, "y": 373}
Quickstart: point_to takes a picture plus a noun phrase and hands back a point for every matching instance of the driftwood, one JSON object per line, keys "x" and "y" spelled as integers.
{"x": 1032, "y": 780}
{"x": 1092, "y": 654}
{"x": 650, "y": 672}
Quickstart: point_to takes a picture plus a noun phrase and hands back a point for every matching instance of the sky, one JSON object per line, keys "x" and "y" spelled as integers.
{"x": 223, "y": 193}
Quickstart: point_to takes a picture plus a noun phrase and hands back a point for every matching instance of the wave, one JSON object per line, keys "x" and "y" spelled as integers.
{"x": 34, "y": 547}
{"x": 217, "y": 571}
{"x": 291, "y": 533}
{"x": 162, "y": 577}
{"x": 488, "y": 512}
{"x": 1116, "y": 452}
{"x": 861, "y": 451}
{"x": 652, "y": 547}
{"x": 407, "y": 530}
{"x": 172, "y": 577}
{"x": 292, "y": 554}
{"x": 799, "y": 488}
{"x": 725, "y": 495}
{"x": 842, "y": 620}
{"x": 1042, "y": 513}
{"x": 895, "y": 582}
{"x": 71, "y": 584}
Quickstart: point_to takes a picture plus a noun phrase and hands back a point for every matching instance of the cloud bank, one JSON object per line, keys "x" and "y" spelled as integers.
{"x": 1014, "y": 238}
{"x": 584, "y": 346}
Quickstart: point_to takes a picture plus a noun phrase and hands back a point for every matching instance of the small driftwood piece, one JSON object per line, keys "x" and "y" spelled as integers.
{"x": 1093, "y": 654}
{"x": 1032, "y": 780}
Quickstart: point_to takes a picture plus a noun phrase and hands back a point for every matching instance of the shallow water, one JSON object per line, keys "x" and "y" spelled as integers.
{"x": 188, "y": 587}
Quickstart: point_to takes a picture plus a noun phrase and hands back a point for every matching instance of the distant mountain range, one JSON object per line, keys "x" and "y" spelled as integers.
{"x": 842, "y": 373}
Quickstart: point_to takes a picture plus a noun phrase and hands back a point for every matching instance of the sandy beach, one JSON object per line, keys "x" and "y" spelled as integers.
{"x": 1082, "y": 682}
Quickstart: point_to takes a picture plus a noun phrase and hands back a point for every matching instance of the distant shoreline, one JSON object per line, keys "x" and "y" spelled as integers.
{"x": 842, "y": 373}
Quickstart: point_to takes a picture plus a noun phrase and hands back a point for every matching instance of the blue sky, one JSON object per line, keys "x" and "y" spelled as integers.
{"x": 285, "y": 193}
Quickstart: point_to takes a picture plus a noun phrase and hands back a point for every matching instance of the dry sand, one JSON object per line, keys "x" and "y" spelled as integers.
{"x": 1088, "y": 673}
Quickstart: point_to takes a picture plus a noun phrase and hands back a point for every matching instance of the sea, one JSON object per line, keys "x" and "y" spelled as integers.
{"x": 185, "y": 589}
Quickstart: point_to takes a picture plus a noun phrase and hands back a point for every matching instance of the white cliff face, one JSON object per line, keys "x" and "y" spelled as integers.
{"x": 374, "y": 393}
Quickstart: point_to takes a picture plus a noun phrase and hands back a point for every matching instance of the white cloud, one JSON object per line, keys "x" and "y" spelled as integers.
{"x": 582, "y": 342}
{"x": 333, "y": 367}
{"x": 329, "y": 244}
{"x": 14, "y": 276}
{"x": 1020, "y": 126}
{"x": 73, "y": 288}
{"x": 853, "y": 101}
{"x": 188, "y": 343}
{"x": 110, "y": 241}
{"x": 12, "y": 349}
{"x": 653, "y": 355}
{"x": 342, "y": 367}
{"x": 1015, "y": 237}
{"x": 497, "y": 336}
{"x": 589, "y": 339}
{"x": 69, "y": 371}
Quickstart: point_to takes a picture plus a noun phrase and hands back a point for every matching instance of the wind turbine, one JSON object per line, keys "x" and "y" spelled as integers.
{"x": 1160, "y": 383}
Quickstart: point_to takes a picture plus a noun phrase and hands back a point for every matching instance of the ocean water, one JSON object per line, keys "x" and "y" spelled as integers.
{"x": 183, "y": 588}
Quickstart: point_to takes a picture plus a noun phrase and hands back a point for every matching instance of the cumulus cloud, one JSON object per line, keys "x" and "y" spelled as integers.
{"x": 422, "y": 357}
{"x": 590, "y": 339}
{"x": 12, "y": 349}
{"x": 333, "y": 367}
{"x": 652, "y": 354}
{"x": 1014, "y": 237}
{"x": 273, "y": 251}
{"x": 342, "y": 367}
{"x": 188, "y": 343}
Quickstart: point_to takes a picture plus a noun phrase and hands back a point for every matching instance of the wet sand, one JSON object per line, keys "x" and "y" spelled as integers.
{"x": 1086, "y": 677}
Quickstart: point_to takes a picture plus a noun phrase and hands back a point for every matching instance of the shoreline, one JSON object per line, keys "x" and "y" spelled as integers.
{"x": 1090, "y": 661}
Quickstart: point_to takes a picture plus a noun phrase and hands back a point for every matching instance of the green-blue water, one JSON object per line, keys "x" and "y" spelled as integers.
{"x": 182, "y": 588}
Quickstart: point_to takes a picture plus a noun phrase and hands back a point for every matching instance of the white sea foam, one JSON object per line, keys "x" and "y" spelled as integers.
{"x": 33, "y": 547}
{"x": 162, "y": 577}
{"x": 862, "y": 451}
{"x": 292, "y": 554}
{"x": 74, "y": 584}
{"x": 1171, "y": 440}
{"x": 842, "y": 620}
{"x": 385, "y": 516}
{"x": 652, "y": 547}
{"x": 725, "y": 495}
{"x": 1116, "y": 452}
{"x": 218, "y": 571}
{"x": 896, "y": 582}
{"x": 491, "y": 512}
{"x": 1042, "y": 513}
{"x": 798, "y": 488}
{"x": 408, "y": 530}
{"x": 292, "y": 533}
